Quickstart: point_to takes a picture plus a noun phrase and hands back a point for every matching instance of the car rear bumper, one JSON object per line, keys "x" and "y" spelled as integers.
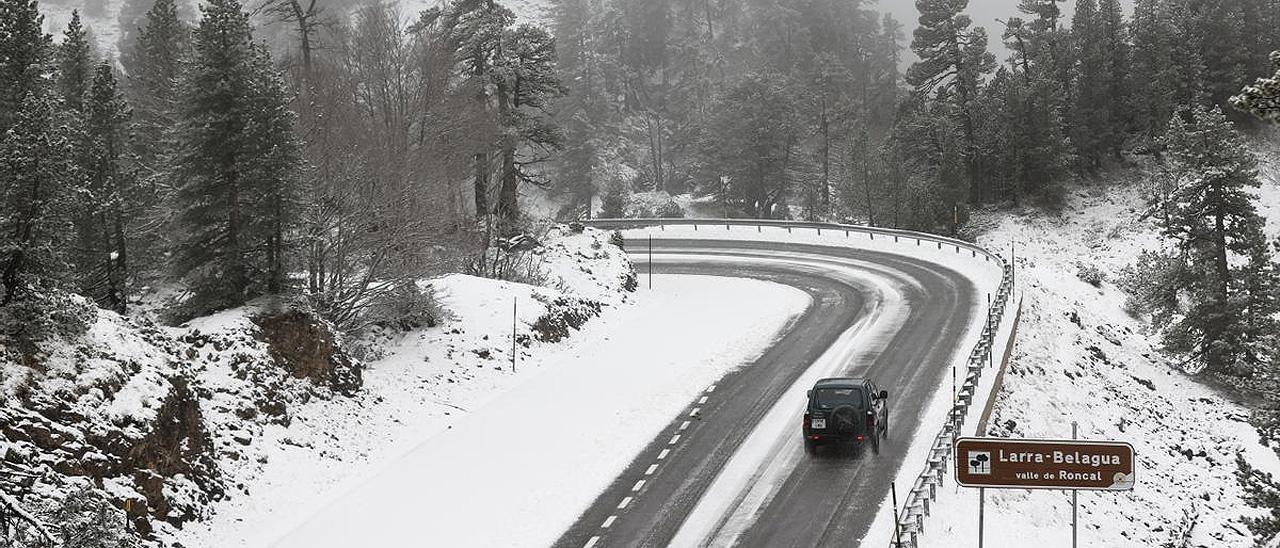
{"x": 824, "y": 437}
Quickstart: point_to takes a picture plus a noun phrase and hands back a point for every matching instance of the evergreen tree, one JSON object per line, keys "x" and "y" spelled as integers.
{"x": 1098, "y": 115}
{"x": 1211, "y": 219}
{"x": 24, "y": 54}
{"x": 475, "y": 29}
{"x": 75, "y": 68}
{"x": 1153, "y": 77}
{"x": 750, "y": 145}
{"x": 526, "y": 84}
{"x": 153, "y": 57}
{"x": 1262, "y": 98}
{"x": 153, "y": 63}
{"x": 1261, "y": 491}
{"x": 953, "y": 60}
{"x": 104, "y": 271}
{"x": 237, "y": 163}
{"x": 38, "y": 190}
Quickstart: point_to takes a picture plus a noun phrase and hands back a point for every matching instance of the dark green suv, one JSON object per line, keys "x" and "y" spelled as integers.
{"x": 845, "y": 412}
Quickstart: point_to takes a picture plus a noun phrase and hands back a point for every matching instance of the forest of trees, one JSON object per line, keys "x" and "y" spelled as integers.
{"x": 364, "y": 146}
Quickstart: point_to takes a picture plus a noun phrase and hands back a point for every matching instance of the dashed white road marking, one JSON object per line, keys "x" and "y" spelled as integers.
{"x": 591, "y": 542}
{"x": 674, "y": 439}
{"x": 608, "y": 522}
{"x": 702, "y": 400}
{"x": 711, "y": 388}
{"x": 684, "y": 425}
{"x": 625, "y": 503}
{"x": 663, "y": 454}
{"x": 637, "y": 486}
{"x": 695, "y": 411}
{"x": 652, "y": 467}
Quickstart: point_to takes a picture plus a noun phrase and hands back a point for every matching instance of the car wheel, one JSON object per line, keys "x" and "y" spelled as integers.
{"x": 811, "y": 447}
{"x": 885, "y": 427}
{"x": 875, "y": 444}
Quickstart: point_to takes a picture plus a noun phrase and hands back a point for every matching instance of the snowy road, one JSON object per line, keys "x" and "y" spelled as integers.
{"x": 737, "y": 475}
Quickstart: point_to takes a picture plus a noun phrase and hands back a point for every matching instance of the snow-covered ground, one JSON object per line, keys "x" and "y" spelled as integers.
{"x": 534, "y": 449}
{"x": 1080, "y": 357}
{"x": 444, "y": 430}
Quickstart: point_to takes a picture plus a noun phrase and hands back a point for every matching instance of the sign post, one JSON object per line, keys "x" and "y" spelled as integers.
{"x": 1074, "y": 494}
{"x": 982, "y": 501}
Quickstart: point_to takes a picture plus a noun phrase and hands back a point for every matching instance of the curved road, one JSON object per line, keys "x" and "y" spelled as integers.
{"x": 903, "y": 320}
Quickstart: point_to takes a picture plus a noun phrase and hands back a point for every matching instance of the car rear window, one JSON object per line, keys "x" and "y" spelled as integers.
{"x": 831, "y": 398}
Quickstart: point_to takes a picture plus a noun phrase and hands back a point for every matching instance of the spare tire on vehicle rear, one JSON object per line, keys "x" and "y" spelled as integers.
{"x": 844, "y": 419}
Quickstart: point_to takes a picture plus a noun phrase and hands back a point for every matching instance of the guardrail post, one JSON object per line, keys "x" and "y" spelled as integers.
{"x": 819, "y": 231}
{"x": 788, "y": 229}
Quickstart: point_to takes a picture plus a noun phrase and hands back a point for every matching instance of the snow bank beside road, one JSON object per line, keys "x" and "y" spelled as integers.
{"x": 444, "y": 436}
{"x": 536, "y": 456}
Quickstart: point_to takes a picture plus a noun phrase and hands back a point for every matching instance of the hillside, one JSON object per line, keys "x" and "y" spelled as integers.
{"x": 1081, "y": 356}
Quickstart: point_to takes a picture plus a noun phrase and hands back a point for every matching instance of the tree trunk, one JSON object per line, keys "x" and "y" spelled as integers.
{"x": 508, "y": 196}
{"x": 482, "y": 184}
{"x": 826, "y": 161}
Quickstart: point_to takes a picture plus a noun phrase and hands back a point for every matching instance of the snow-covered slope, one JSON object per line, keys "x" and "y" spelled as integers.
{"x": 1080, "y": 357}
{"x": 431, "y": 405}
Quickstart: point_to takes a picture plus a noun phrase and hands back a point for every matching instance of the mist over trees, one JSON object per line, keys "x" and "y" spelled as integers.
{"x": 364, "y": 147}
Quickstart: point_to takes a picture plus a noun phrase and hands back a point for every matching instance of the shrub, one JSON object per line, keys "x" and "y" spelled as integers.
{"x": 1090, "y": 274}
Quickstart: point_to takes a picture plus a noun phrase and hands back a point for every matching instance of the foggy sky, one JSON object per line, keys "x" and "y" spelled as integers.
{"x": 983, "y": 12}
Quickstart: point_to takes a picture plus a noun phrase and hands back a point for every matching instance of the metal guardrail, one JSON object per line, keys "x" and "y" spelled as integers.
{"x": 915, "y": 507}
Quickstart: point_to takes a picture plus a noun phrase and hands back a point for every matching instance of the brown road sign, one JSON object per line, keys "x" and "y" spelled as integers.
{"x": 1044, "y": 464}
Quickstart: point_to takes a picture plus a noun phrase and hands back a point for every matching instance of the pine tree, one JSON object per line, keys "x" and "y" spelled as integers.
{"x": 24, "y": 53}
{"x": 1261, "y": 491}
{"x": 1212, "y": 218}
{"x": 1153, "y": 76}
{"x": 237, "y": 162}
{"x": 526, "y": 83}
{"x": 1262, "y": 98}
{"x": 38, "y": 190}
{"x": 153, "y": 63}
{"x": 475, "y": 28}
{"x": 750, "y": 145}
{"x": 1098, "y": 86}
{"x": 104, "y": 270}
{"x": 953, "y": 61}
{"x": 75, "y": 68}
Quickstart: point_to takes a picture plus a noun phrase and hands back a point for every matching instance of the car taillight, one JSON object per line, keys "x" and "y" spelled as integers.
{"x": 806, "y": 419}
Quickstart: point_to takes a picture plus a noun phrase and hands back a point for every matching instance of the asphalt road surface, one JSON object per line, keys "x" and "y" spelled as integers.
{"x": 827, "y": 500}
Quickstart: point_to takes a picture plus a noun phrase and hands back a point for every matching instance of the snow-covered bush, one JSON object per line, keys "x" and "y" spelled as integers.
{"x": 38, "y": 317}
{"x": 407, "y": 307}
{"x": 1151, "y": 283}
{"x": 653, "y": 205}
{"x": 84, "y": 518}
{"x": 563, "y": 313}
{"x": 1090, "y": 274}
